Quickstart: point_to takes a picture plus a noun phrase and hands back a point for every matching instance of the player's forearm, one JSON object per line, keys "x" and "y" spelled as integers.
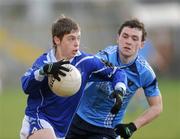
{"x": 149, "y": 115}
{"x": 31, "y": 81}
{"x": 126, "y": 130}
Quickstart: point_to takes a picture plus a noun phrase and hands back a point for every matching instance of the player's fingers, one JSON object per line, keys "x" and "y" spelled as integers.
{"x": 57, "y": 77}
{"x": 64, "y": 68}
{"x": 61, "y": 73}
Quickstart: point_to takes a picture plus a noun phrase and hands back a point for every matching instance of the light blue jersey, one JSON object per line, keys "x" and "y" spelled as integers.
{"x": 58, "y": 111}
{"x": 96, "y": 105}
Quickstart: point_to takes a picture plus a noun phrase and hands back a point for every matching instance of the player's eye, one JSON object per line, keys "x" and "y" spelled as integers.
{"x": 71, "y": 38}
{"x": 135, "y": 38}
{"x": 125, "y": 36}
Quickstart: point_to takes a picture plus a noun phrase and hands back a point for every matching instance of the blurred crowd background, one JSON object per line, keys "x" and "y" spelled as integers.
{"x": 25, "y": 30}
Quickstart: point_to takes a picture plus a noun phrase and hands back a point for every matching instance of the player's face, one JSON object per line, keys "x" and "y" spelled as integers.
{"x": 69, "y": 45}
{"x": 130, "y": 41}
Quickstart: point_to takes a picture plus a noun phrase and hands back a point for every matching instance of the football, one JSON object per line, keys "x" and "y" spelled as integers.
{"x": 68, "y": 85}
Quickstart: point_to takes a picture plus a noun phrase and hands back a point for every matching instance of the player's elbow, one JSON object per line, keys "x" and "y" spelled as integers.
{"x": 25, "y": 90}
{"x": 158, "y": 106}
{"x": 159, "y": 109}
{"x": 24, "y": 86}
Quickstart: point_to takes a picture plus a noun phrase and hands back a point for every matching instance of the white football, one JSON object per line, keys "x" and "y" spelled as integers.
{"x": 69, "y": 84}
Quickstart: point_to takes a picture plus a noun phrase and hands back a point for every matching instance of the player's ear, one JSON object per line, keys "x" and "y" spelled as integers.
{"x": 142, "y": 45}
{"x": 56, "y": 40}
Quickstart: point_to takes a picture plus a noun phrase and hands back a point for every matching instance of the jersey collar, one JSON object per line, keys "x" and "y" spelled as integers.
{"x": 51, "y": 56}
{"x": 122, "y": 64}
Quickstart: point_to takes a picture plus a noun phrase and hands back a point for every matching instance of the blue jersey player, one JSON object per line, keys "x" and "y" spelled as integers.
{"x": 48, "y": 116}
{"x": 94, "y": 119}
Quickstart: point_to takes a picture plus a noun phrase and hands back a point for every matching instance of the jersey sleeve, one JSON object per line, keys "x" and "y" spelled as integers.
{"x": 150, "y": 84}
{"x": 102, "y": 55}
{"x": 31, "y": 79}
{"x": 102, "y": 71}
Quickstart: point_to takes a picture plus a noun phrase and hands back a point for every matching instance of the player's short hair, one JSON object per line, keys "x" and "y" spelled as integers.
{"x": 134, "y": 23}
{"x": 63, "y": 25}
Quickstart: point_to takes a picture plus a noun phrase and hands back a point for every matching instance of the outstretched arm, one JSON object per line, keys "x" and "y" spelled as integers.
{"x": 155, "y": 108}
{"x": 151, "y": 113}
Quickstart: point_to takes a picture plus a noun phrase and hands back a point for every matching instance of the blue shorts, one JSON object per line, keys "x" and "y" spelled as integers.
{"x": 80, "y": 129}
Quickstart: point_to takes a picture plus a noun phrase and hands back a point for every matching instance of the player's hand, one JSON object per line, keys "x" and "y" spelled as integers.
{"x": 56, "y": 69}
{"x": 107, "y": 63}
{"x": 118, "y": 95}
{"x": 125, "y": 130}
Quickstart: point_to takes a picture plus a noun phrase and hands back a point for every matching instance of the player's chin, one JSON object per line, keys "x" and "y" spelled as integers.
{"x": 126, "y": 53}
{"x": 73, "y": 54}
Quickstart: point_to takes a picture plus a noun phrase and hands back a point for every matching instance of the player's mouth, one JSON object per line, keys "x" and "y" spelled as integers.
{"x": 74, "y": 52}
{"x": 126, "y": 48}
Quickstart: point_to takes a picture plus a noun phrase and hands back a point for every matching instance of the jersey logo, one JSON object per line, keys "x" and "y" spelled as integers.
{"x": 109, "y": 75}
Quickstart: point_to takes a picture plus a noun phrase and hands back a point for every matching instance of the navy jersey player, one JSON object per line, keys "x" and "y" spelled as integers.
{"x": 94, "y": 119}
{"x": 48, "y": 116}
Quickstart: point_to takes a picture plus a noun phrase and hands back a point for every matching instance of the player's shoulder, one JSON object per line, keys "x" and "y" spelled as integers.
{"x": 143, "y": 67}
{"x": 82, "y": 57}
{"x": 108, "y": 53}
{"x": 110, "y": 49}
{"x": 40, "y": 60}
{"x": 83, "y": 54}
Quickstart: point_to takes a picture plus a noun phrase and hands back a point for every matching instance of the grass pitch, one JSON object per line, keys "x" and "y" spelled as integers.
{"x": 167, "y": 126}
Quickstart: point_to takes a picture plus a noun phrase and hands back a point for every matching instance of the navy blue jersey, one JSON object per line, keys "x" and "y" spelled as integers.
{"x": 58, "y": 111}
{"x": 95, "y": 105}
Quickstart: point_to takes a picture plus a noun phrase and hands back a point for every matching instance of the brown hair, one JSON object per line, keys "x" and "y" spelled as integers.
{"x": 63, "y": 25}
{"x": 134, "y": 23}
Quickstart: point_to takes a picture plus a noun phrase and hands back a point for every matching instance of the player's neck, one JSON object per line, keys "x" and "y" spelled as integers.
{"x": 59, "y": 55}
{"x": 126, "y": 59}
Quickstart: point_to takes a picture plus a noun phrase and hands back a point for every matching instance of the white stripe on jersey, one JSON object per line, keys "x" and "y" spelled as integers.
{"x": 28, "y": 73}
{"x": 147, "y": 66}
{"x": 51, "y": 56}
{"x": 83, "y": 59}
{"x": 111, "y": 49}
{"x": 88, "y": 85}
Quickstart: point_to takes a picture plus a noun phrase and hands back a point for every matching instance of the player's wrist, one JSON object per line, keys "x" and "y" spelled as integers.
{"x": 132, "y": 127}
{"x": 125, "y": 130}
{"x": 41, "y": 71}
{"x": 120, "y": 87}
{"x": 38, "y": 75}
{"x": 47, "y": 68}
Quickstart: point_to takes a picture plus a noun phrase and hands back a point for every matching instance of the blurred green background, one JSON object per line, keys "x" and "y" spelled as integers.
{"x": 12, "y": 105}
